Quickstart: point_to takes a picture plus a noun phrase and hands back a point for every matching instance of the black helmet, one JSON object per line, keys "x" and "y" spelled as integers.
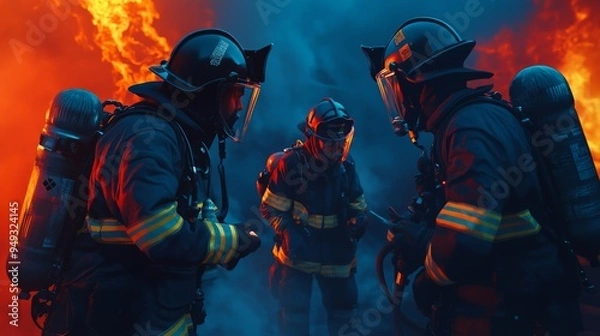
{"x": 329, "y": 130}
{"x": 421, "y": 50}
{"x": 211, "y": 64}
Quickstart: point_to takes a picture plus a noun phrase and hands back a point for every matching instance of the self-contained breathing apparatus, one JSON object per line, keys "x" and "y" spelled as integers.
{"x": 56, "y": 198}
{"x": 542, "y": 101}
{"x": 262, "y": 181}
{"x": 543, "y": 98}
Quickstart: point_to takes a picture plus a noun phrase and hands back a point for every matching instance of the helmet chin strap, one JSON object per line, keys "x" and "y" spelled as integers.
{"x": 225, "y": 132}
{"x": 224, "y": 196}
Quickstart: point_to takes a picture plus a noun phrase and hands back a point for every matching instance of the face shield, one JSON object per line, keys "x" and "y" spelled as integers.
{"x": 237, "y": 103}
{"x": 402, "y": 118}
{"x": 335, "y": 140}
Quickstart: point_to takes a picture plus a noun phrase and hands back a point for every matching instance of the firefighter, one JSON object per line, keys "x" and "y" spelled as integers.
{"x": 151, "y": 226}
{"x": 315, "y": 204}
{"x": 493, "y": 265}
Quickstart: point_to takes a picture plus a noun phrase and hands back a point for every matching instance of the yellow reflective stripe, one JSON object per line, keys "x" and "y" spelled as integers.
{"x": 469, "y": 219}
{"x": 212, "y": 242}
{"x": 300, "y": 214}
{"x": 517, "y": 225}
{"x": 338, "y": 271}
{"x": 323, "y": 222}
{"x": 155, "y": 228}
{"x": 359, "y": 204}
{"x": 180, "y": 328}
{"x": 223, "y": 243}
{"x": 434, "y": 271}
{"x": 234, "y": 243}
{"x": 280, "y": 203}
{"x": 332, "y": 271}
{"x": 108, "y": 230}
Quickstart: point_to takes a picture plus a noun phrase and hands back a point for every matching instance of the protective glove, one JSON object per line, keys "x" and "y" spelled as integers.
{"x": 357, "y": 226}
{"x": 248, "y": 242}
{"x": 410, "y": 245}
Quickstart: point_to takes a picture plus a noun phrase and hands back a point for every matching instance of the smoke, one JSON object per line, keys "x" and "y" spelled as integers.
{"x": 316, "y": 54}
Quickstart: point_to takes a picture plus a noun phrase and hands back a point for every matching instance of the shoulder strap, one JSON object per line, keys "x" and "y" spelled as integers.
{"x": 494, "y": 98}
{"x": 146, "y": 109}
{"x": 188, "y": 183}
{"x": 349, "y": 172}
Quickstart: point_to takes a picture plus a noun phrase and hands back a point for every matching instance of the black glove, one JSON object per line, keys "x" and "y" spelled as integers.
{"x": 410, "y": 245}
{"x": 426, "y": 292}
{"x": 357, "y": 226}
{"x": 248, "y": 242}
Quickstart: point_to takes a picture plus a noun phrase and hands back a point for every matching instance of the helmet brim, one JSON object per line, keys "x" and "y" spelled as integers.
{"x": 146, "y": 90}
{"x": 458, "y": 73}
{"x": 162, "y": 72}
{"x": 459, "y": 51}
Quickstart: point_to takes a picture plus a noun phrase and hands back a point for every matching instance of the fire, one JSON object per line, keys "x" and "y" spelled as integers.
{"x": 563, "y": 35}
{"x": 122, "y": 36}
{"x": 127, "y": 39}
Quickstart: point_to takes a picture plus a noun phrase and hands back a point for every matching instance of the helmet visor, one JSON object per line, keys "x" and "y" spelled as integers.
{"x": 389, "y": 88}
{"x": 237, "y": 106}
{"x": 335, "y": 149}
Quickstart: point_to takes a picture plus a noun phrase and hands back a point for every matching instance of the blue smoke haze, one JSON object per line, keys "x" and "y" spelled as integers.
{"x": 317, "y": 53}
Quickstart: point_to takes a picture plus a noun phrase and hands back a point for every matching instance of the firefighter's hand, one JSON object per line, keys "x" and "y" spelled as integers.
{"x": 357, "y": 226}
{"x": 248, "y": 242}
{"x": 410, "y": 241}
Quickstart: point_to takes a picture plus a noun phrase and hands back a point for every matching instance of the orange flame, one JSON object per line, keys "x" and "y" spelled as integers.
{"x": 127, "y": 39}
{"x": 563, "y": 35}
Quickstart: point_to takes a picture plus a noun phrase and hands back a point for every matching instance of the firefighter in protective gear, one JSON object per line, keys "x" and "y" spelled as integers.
{"x": 151, "y": 226}
{"x": 492, "y": 266}
{"x": 315, "y": 204}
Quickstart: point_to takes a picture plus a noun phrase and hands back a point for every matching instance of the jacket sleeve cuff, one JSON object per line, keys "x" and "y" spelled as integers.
{"x": 222, "y": 244}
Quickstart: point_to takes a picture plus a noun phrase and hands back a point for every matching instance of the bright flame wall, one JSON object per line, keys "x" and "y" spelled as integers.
{"x": 564, "y": 35}
{"x": 57, "y": 44}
